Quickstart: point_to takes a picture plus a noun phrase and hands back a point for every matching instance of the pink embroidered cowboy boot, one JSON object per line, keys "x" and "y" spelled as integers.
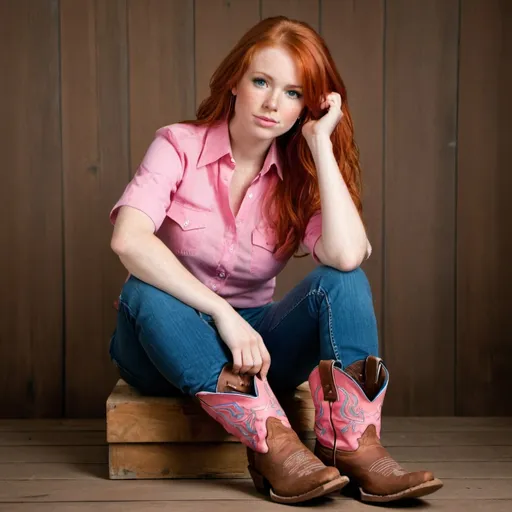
{"x": 348, "y": 408}
{"x": 279, "y": 464}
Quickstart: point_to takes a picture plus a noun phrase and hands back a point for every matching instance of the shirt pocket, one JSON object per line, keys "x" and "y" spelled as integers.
{"x": 187, "y": 229}
{"x": 263, "y": 246}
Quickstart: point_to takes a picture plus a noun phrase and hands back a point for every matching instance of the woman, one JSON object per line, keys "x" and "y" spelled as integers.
{"x": 216, "y": 209}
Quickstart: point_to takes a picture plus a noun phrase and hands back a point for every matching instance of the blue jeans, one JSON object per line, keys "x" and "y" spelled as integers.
{"x": 164, "y": 347}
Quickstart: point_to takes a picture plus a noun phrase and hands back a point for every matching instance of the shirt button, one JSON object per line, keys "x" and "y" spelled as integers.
{"x": 232, "y": 160}
{"x": 214, "y": 286}
{"x": 222, "y": 275}
{"x": 250, "y": 195}
{"x": 231, "y": 248}
{"x": 186, "y": 223}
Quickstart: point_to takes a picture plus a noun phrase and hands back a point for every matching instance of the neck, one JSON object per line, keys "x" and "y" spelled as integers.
{"x": 249, "y": 153}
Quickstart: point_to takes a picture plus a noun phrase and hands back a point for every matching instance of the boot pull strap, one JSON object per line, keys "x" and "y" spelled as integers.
{"x": 326, "y": 370}
{"x": 372, "y": 371}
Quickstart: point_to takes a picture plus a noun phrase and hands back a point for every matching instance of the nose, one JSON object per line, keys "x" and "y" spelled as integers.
{"x": 271, "y": 102}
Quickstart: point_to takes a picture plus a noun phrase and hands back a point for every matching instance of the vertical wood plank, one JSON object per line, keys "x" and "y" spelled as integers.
{"x": 302, "y": 10}
{"x": 30, "y": 212}
{"x": 161, "y": 68}
{"x": 309, "y": 12}
{"x": 419, "y": 195}
{"x": 484, "y": 216}
{"x": 219, "y": 24}
{"x": 354, "y": 31}
{"x": 95, "y": 159}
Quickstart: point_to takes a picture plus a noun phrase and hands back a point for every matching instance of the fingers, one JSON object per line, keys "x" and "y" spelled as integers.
{"x": 237, "y": 360}
{"x": 256, "y": 359}
{"x": 250, "y": 355}
{"x": 254, "y": 356}
{"x": 332, "y": 99}
{"x": 247, "y": 360}
{"x": 265, "y": 356}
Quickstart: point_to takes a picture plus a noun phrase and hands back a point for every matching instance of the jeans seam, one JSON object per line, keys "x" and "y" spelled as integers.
{"x": 320, "y": 291}
{"x": 331, "y": 331}
{"x": 312, "y": 292}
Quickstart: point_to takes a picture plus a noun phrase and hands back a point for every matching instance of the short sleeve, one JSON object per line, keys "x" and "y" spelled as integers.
{"x": 313, "y": 233}
{"x": 155, "y": 180}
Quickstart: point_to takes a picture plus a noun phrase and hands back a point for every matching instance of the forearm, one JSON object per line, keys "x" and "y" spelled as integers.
{"x": 150, "y": 260}
{"x": 343, "y": 233}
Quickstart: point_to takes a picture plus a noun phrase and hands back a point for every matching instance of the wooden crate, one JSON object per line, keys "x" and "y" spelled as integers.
{"x": 160, "y": 437}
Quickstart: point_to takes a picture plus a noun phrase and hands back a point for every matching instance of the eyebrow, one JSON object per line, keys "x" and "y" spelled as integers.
{"x": 268, "y": 76}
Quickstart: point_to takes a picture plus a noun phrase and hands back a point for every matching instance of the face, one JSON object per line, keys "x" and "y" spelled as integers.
{"x": 270, "y": 88}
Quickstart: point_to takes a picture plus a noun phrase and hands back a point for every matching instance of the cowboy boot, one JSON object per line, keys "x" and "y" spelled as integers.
{"x": 348, "y": 406}
{"x": 279, "y": 464}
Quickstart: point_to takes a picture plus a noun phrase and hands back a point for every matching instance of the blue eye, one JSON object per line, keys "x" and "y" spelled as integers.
{"x": 259, "y": 80}
{"x": 297, "y": 94}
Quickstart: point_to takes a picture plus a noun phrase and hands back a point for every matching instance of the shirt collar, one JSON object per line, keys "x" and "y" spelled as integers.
{"x": 217, "y": 145}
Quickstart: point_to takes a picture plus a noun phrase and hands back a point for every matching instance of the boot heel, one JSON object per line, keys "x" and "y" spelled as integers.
{"x": 260, "y": 482}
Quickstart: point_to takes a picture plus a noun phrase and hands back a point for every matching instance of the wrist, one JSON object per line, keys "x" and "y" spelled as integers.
{"x": 319, "y": 143}
{"x": 220, "y": 308}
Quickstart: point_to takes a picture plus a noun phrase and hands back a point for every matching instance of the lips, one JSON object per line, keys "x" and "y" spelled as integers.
{"x": 270, "y": 120}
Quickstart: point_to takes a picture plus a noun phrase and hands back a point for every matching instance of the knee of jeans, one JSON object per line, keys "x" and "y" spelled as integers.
{"x": 330, "y": 278}
{"x": 193, "y": 383}
{"x": 136, "y": 292}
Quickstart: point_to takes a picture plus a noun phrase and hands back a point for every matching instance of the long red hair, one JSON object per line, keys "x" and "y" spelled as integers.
{"x": 292, "y": 202}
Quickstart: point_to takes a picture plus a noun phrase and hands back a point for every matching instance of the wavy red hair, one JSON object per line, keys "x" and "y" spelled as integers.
{"x": 293, "y": 201}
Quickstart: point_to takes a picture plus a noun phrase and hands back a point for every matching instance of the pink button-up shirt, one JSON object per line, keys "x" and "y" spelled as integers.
{"x": 182, "y": 184}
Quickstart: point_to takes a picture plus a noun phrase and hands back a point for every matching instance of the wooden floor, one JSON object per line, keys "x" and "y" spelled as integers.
{"x": 62, "y": 466}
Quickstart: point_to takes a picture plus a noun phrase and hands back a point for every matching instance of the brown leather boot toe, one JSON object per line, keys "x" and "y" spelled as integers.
{"x": 292, "y": 472}
{"x": 379, "y": 477}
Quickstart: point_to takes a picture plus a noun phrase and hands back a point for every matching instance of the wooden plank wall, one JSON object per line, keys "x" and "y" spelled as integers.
{"x": 86, "y": 84}
{"x": 31, "y": 215}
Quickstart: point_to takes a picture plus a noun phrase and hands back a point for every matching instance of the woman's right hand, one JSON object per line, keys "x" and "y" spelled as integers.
{"x": 250, "y": 356}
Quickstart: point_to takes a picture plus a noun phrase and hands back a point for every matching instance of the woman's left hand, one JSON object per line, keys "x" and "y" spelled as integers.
{"x": 326, "y": 124}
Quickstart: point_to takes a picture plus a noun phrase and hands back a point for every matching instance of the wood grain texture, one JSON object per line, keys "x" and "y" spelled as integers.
{"x": 219, "y": 24}
{"x": 419, "y": 198}
{"x": 52, "y": 470}
{"x": 161, "y": 64}
{"x": 95, "y": 161}
{"x": 79, "y": 471}
{"x": 177, "y": 460}
{"x": 227, "y": 505}
{"x": 396, "y": 424}
{"x": 354, "y": 31}
{"x": 446, "y": 505}
{"x": 210, "y": 490}
{"x": 228, "y": 460}
{"x": 484, "y": 213}
{"x": 134, "y": 418}
{"x": 301, "y": 10}
{"x": 54, "y": 454}
{"x": 31, "y": 294}
{"x": 389, "y": 438}
{"x": 75, "y": 477}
